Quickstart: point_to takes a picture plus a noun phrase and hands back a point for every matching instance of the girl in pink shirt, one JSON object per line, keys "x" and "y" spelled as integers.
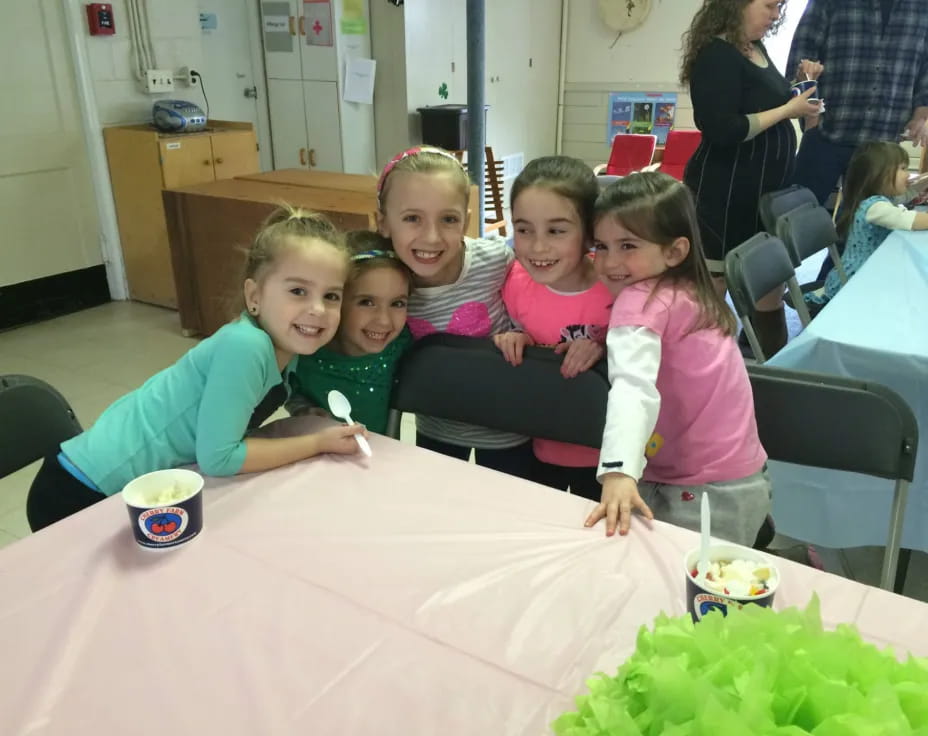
{"x": 680, "y": 420}
{"x": 554, "y": 297}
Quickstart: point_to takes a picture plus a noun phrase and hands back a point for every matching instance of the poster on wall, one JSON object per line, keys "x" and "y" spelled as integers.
{"x": 317, "y": 22}
{"x": 650, "y": 113}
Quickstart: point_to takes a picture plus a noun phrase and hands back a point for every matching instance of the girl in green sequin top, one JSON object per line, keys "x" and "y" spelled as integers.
{"x": 362, "y": 358}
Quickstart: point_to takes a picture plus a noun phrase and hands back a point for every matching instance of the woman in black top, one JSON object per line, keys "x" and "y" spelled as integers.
{"x": 743, "y": 107}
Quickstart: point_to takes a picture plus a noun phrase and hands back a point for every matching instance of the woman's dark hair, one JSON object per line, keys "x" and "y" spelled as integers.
{"x": 658, "y": 208}
{"x": 718, "y": 18}
{"x": 872, "y": 171}
{"x": 370, "y": 250}
{"x": 563, "y": 175}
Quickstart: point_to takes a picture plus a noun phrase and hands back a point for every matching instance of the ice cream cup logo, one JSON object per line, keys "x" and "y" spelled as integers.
{"x": 705, "y": 602}
{"x": 163, "y": 525}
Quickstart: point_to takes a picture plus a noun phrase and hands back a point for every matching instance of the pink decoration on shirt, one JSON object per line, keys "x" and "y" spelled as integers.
{"x": 471, "y": 319}
{"x": 687, "y": 496}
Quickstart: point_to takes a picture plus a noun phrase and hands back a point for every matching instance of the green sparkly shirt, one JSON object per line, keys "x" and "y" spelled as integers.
{"x": 365, "y": 379}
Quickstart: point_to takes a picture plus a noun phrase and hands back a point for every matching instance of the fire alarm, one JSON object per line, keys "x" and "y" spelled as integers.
{"x": 100, "y": 19}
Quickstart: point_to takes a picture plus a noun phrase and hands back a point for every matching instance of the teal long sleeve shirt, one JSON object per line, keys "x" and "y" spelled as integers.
{"x": 197, "y": 410}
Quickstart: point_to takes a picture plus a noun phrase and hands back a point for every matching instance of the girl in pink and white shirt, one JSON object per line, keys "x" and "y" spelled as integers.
{"x": 554, "y": 296}
{"x": 680, "y": 420}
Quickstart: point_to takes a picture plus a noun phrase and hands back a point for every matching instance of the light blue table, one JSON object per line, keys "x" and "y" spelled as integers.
{"x": 876, "y": 329}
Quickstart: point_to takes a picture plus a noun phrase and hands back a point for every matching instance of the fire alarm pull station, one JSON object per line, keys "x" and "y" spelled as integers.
{"x": 100, "y": 19}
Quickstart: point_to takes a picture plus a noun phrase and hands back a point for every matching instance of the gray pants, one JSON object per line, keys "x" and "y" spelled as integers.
{"x": 738, "y": 507}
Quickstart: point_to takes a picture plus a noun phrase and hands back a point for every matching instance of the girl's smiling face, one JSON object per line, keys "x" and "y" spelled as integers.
{"x": 622, "y": 258}
{"x": 374, "y": 312}
{"x": 425, "y": 216}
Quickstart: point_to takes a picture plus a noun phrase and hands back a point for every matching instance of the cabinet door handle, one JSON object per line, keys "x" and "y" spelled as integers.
{"x": 219, "y": 160}
{"x": 207, "y": 162}
{"x": 312, "y": 156}
{"x": 302, "y": 25}
{"x": 292, "y": 24}
{"x": 303, "y": 157}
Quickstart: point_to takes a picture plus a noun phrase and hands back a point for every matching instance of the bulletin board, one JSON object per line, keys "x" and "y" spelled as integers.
{"x": 650, "y": 113}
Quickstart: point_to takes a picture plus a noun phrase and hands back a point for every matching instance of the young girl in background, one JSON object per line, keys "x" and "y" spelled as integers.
{"x": 363, "y": 356}
{"x": 680, "y": 420}
{"x": 554, "y": 297}
{"x": 423, "y": 200}
{"x": 878, "y": 173}
{"x": 200, "y": 409}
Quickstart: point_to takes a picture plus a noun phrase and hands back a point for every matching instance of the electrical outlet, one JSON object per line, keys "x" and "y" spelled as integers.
{"x": 188, "y": 76}
{"x": 159, "y": 80}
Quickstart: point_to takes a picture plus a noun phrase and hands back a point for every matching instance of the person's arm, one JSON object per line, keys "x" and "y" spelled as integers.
{"x": 634, "y": 355}
{"x": 716, "y": 73}
{"x": 888, "y": 215}
{"x": 234, "y": 386}
{"x": 809, "y": 38}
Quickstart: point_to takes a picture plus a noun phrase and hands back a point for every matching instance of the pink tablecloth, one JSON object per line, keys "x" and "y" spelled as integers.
{"x": 408, "y": 594}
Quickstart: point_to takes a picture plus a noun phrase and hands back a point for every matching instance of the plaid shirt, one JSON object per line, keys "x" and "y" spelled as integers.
{"x": 875, "y": 73}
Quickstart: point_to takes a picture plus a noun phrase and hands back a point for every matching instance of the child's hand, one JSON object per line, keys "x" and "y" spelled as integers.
{"x": 620, "y": 496}
{"x": 339, "y": 440}
{"x": 582, "y": 355}
{"x": 512, "y": 344}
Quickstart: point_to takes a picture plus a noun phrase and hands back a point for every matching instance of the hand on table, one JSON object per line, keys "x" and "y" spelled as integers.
{"x": 620, "y": 496}
{"x": 339, "y": 440}
{"x": 512, "y": 344}
{"x": 581, "y": 355}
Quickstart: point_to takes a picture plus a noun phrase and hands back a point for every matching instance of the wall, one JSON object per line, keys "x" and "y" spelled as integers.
{"x": 645, "y": 59}
{"x": 391, "y": 115}
{"x": 176, "y": 38}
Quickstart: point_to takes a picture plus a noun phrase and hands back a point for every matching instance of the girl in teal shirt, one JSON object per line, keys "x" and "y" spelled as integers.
{"x": 200, "y": 409}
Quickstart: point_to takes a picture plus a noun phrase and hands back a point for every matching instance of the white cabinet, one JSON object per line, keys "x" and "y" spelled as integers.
{"x": 305, "y": 55}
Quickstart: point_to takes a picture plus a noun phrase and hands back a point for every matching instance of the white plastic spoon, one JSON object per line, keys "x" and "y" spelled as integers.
{"x": 702, "y": 567}
{"x": 341, "y": 408}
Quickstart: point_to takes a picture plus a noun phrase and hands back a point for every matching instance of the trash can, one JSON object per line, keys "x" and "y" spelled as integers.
{"x": 446, "y": 126}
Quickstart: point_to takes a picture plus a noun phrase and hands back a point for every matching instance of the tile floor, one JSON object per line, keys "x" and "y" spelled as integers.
{"x": 95, "y": 356}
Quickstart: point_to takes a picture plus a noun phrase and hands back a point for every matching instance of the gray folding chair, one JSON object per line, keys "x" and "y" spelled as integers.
{"x": 807, "y": 230}
{"x": 755, "y": 268}
{"x": 773, "y": 205}
{"x": 467, "y": 379}
{"x": 826, "y": 421}
{"x": 34, "y": 420}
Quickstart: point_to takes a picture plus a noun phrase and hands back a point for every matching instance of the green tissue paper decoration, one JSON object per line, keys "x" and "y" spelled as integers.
{"x": 757, "y": 671}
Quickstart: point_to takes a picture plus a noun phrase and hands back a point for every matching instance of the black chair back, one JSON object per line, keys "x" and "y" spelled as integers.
{"x": 806, "y": 231}
{"x": 827, "y": 421}
{"x": 774, "y": 204}
{"x": 34, "y": 420}
{"x": 467, "y": 379}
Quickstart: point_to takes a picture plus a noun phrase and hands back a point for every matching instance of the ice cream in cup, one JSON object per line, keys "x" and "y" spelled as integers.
{"x": 737, "y": 576}
{"x": 165, "y": 507}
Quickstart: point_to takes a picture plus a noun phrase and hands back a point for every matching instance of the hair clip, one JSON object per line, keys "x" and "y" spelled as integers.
{"x": 368, "y": 254}
{"x": 414, "y": 151}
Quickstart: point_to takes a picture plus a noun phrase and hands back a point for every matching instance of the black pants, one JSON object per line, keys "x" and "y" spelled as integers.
{"x": 581, "y": 481}
{"x": 55, "y": 494}
{"x": 517, "y": 461}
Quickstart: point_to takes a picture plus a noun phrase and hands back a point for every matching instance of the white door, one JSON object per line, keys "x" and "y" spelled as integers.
{"x": 317, "y": 31}
{"x": 279, "y": 29}
{"x": 47, "y": 206}
{"x": 232, "y": 72}
{"x": 322, "y": 126}
{"x": 541, "y": 97}
{"x": 288, "y": 123}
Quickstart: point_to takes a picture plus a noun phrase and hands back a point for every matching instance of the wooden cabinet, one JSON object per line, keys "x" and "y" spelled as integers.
{"x": 211, "y": 224}
{"x": 142, "y": 162}
{"x": 305, "y": 125}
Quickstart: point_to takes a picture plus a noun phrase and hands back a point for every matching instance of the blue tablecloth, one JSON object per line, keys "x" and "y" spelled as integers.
{"x": 876, "y": 328}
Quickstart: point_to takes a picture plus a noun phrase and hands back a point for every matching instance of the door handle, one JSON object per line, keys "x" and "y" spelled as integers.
{"x": 312, "y": 156}
{"x": 207, "y": 162}
{"x": 219, "y": 160}
{"x": 302, "y": 25}
{"x": 291, "y": 22}
{"x": 251, "y": 91}
{"x": 303, "y": 157}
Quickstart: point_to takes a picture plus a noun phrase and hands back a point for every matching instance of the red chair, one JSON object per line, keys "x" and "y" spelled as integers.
{"x": 680, "y": 146}
{"x": 630, "y": 152}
